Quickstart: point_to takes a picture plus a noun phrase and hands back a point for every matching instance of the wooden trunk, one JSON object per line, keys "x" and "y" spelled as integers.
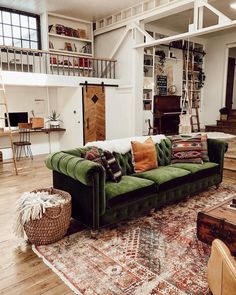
{"x": 218, "y": 222}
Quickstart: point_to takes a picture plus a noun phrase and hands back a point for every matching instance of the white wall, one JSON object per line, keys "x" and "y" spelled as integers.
{"x": 69, "y": 105}
{"x": 215, "y": 69}
{"x": 22, "y": 99}
{"x": 129, "y": 70}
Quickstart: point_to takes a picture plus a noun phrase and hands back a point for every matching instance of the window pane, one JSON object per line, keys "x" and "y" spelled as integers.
{"x": 25, "y": 33}
{"x": 7, "y": 31}
{"x": 15, "y": 19}
{"x": 16, "y": 32}
{"x": 1, "y": 30}
{"x": 32, "y": 23}
{"x": 1, "y": 41}
{"x": 34, "y": 45}
{"x": 25, "y": 44}
{"x": 0, "y": 16}
{"x": 8, "y": 41}
{"x": 24, "y": 21}
{"x": 6, "y": 17}
{"x": 17, "y": 42}
{"x": 33, "y": 35}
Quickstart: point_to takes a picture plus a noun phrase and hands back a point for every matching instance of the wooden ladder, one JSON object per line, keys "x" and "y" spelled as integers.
{"x": 195, "y": 120}
{"x": 3, "y": 103}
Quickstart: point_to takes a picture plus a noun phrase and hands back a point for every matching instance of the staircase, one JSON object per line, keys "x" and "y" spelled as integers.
{"x": 230, "y": 161}
{"x": 226, "y": 126}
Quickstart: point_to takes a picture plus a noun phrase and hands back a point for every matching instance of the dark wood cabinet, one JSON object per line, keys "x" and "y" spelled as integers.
{"x": 166, "y": 114}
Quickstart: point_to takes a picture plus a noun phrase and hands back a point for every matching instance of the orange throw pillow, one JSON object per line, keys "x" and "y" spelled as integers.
{"x": 144, "y": 155}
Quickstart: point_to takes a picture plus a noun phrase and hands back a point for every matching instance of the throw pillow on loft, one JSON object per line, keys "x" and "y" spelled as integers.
{"x": 187, "y": 150}
{"x": 144, "y": 155}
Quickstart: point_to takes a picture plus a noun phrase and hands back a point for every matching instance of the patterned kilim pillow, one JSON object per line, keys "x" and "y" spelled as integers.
{"x": 93, "y": 155}
{"x": 187, "y": 150}
{"x": 205, "y": 156}
{"x": 112, "y": 167}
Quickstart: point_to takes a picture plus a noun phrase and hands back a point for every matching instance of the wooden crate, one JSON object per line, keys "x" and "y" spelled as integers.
{"x": 218, "y": 222}
{"x": 37, "y": 123}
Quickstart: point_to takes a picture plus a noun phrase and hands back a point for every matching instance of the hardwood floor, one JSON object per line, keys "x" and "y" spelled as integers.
{"x": 21, "y": 271}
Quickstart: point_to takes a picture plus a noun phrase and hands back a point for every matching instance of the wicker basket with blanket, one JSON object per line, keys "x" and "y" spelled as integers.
{"x": 43, "y": 216}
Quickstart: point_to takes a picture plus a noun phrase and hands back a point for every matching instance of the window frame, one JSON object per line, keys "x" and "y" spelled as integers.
{"x": 24, "y": 13}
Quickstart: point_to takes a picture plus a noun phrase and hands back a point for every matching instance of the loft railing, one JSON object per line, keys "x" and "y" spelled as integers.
{"x": 56, "y": 63}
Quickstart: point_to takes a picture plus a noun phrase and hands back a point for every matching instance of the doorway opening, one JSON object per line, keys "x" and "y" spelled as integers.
{"x": 230, "y": 99}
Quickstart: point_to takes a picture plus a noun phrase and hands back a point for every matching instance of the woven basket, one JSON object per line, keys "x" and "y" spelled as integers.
{"x": 54, "y": 223}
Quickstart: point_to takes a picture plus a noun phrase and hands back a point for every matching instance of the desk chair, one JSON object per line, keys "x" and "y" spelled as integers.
{"x": 24, "y": 143}
{"x": 221, "y": 270}
{"x": 151, "y": 130}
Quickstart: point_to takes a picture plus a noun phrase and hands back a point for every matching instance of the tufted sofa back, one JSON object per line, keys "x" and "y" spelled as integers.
{"x": 125, "y": 161}
{"x": 163, "y": 152}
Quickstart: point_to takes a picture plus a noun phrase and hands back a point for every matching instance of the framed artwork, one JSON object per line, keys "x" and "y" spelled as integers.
{"x": 68, "y": 46}
{"x": 82, "y": 33}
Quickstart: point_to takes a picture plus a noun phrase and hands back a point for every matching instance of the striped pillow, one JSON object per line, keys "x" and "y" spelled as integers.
{"x": 112, "y": 167}
{"x": 187, "y": 150}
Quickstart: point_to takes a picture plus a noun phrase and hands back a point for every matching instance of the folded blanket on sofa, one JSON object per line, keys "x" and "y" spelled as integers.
{"x": 123, "y": 145}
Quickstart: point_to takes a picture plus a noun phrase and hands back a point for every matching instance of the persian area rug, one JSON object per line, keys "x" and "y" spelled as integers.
{"x": 157, "y": 254}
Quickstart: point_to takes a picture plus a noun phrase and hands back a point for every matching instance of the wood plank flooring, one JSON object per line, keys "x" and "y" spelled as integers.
{"x": 21, "y": 271}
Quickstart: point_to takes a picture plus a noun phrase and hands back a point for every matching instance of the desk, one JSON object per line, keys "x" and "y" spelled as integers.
{"x": 35, "y": 131}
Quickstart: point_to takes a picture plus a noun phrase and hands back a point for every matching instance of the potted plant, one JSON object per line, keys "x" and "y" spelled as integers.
{"x": 54, "y": 119}
{"x": 162, "y": 59}
{"x": 224, "y": 112}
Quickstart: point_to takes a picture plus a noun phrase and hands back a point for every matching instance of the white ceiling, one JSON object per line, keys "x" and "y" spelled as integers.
{"x": 179, "y": 22}
{"x": 85, "y": 9}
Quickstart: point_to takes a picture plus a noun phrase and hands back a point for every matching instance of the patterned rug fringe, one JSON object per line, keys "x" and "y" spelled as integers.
{"x": 56, "y": 271}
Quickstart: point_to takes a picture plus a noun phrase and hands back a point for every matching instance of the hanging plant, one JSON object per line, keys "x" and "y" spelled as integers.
{"x": 162, "y": 59}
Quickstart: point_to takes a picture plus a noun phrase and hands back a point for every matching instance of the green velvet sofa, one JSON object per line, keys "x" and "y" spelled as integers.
{"x": 96, "y": 202}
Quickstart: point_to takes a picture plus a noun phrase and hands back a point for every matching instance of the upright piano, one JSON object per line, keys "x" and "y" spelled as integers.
{"x": 166, "y": 114}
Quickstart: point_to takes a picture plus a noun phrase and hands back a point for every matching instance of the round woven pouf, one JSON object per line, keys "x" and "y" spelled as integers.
{"x": 54, "y": 223}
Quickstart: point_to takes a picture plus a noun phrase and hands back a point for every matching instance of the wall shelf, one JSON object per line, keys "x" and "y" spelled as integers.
{"x": 70, "y": 27}
{"x": 69, "y": 37}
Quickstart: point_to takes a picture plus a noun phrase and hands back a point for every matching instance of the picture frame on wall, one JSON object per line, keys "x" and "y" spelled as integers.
{"x": 68, "y": 46}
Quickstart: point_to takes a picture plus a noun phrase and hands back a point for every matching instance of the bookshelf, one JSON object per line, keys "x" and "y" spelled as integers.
{"x": 70, "y": 35}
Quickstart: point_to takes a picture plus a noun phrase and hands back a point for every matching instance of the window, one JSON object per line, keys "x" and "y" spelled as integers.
{"x": 19, "y": 29}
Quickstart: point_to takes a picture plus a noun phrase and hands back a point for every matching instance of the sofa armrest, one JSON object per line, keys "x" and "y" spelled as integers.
{"x": 216, "y": 150}
{"x": 82, "y": 170}
{"x": 75, "y": 167}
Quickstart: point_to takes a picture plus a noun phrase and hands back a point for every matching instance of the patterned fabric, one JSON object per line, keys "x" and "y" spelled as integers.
{"x": 112, "y": 167}
{"x": 205, "y": 156}
{"x": 187, "y": 150}
{"x": 93, "y": 155}
{"x": 144, "y": 155}
{"x": 154, "y": 255}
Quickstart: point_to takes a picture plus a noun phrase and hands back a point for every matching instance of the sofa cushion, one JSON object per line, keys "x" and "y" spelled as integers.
{"x": 127, "y": 189}
{"x": 187, "y": 150}
{"x": 199, "y": 170}
{"x": 144, "y": 155}
{"x": 112, "y": 167}
{"x": 166, "y": 177}
{"x": 205, "y": 156}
